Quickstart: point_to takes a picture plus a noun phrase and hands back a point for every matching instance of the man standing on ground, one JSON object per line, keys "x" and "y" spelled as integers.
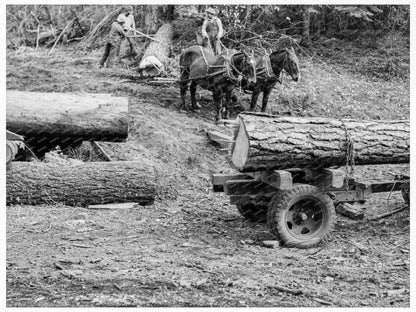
{"x": 115, "y": 38}
{"x": 130, "y": 27}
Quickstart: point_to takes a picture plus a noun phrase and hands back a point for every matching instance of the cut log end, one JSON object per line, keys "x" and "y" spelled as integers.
{"x": 241, "y": 148}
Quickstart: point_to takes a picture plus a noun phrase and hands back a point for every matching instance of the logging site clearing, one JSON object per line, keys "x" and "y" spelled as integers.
{"x": 191, "y": 247}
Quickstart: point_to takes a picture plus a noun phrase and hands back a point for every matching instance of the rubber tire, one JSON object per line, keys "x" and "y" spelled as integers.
{"x": 255, "y": 209}
{"x": 284, "y": 200}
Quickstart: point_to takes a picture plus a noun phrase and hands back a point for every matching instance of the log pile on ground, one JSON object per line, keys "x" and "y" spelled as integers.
{"x": 156, "y": 56}
{"x": 75, "y": 183}
{"x": 272, "y": 142}
{"x": 66, "y": 118}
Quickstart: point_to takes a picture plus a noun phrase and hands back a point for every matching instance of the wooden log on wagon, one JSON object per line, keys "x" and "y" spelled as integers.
{"x": 77, "y": 183}
{"x": 51, "y": 119}
{"x": 156, "y": 56}
{"x": 272, "y": 142}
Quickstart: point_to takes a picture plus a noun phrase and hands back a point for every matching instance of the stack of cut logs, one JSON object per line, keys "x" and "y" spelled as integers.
{"x": 74, "y": 118}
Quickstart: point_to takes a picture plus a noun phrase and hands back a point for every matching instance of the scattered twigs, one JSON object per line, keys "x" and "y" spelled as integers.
{"x": 37, "y": 39}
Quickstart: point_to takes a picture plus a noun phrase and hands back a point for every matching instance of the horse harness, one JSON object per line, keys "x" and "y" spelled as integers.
{"x": 227, "y": 71}
{"x": 267, "y": 68}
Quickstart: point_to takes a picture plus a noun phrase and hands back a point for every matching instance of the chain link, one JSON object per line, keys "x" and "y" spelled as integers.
{"x": 349, "y": 155}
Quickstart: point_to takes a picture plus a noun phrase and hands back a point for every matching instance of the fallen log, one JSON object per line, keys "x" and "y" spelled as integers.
{"x": 156, "y": 56}
{"x": 50, "y": 119}
{"x": 79, "y": 183}
{"x": 272, "y": 142}
{"x": 99, "y": 30}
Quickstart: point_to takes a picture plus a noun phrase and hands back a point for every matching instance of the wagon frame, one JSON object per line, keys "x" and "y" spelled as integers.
{"x": 299, "y": 204}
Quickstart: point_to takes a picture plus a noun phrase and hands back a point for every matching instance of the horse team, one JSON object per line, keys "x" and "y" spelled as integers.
{"x": 223, "y": 73}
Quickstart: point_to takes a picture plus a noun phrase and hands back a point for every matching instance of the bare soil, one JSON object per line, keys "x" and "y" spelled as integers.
{"x": 191, "y": 247}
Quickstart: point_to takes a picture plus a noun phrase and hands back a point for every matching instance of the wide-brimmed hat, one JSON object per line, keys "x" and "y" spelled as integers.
{"x": 121, "y": 18}
{"x": 211, "y": 11}
{"x": 129, "y": 9}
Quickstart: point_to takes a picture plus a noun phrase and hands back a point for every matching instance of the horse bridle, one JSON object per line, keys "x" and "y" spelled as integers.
{"x": 268, "y": 67}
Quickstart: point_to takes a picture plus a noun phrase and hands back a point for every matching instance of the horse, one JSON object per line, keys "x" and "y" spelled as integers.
{"x": 218, "y": 74}
{"x": 268, "y": 72}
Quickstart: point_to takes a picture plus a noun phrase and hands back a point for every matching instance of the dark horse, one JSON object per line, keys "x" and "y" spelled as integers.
{"x": 268, "y": 72}
{"x": 218, "y": 74}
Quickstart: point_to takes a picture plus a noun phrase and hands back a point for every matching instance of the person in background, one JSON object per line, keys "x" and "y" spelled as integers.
{"x": 115, "y": 37}
{"x": 212, "y": 31}
{"x": 130, "y": 27}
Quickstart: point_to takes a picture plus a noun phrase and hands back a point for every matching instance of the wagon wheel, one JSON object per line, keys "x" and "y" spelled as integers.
{"x": 301, "y": 217}
{"x": 255, "y": 209}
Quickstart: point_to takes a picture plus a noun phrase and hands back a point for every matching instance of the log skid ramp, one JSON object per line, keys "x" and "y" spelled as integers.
{"x": 288, "y": 170}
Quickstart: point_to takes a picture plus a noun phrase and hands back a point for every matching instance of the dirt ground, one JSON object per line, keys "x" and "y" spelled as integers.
{"x": 191, "y": 248}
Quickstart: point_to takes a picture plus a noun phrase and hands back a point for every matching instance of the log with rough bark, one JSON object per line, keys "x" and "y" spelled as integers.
{"x": 156, "y": 56}
{"x": 271, "y": 142}
{"x": 76, "y": 183}
{"x": 64, "y": 118}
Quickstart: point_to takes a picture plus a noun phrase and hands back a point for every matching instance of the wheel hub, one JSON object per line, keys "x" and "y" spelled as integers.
{"x": 304, "y": 219}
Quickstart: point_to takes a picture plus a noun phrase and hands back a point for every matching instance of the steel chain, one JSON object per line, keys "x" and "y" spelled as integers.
{"x": 349, "y": 155}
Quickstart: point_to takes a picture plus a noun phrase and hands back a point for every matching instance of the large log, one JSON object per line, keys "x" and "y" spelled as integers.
{"x": 66, "y": 118}
{"x": 271, "y": 142}
{"x": 79, "y": 183}
{"x": 155, "y": 58}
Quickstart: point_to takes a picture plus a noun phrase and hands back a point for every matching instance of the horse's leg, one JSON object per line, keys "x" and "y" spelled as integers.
{"x": 254, "y": 97}
{"x": 217, "y": 96}
{"x": 183, "y": 85}
{"x": 192, "y": 89}
{"x": 227, "y": 105}
{"x": 266, "y": 94}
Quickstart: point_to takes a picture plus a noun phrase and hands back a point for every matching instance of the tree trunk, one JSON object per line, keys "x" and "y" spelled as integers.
{"x": 271, "y": 142}
{"x": 157, "y": 53}
{"x": 80, "y": 184}
{"x": 305, "y": 28}
{"x": 64, "y": 119}
{"x": 151, "y": 18}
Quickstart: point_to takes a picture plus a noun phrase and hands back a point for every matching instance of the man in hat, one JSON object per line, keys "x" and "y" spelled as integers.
{"x": 130, "y": 27}
{"x": 212, "y": 31}
{"x": 115, "y": 37}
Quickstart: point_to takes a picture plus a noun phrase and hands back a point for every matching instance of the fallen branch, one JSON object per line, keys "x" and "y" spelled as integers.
{"x": 37, "y": 39}
{"x": 102, "y": 151}
{"x": 288, "y": 290}
{"x": 386, "y": 214}
{"x": 61, "y": 34}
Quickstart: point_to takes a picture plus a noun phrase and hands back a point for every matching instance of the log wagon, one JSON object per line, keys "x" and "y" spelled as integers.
{"x": 289, "y": 170}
